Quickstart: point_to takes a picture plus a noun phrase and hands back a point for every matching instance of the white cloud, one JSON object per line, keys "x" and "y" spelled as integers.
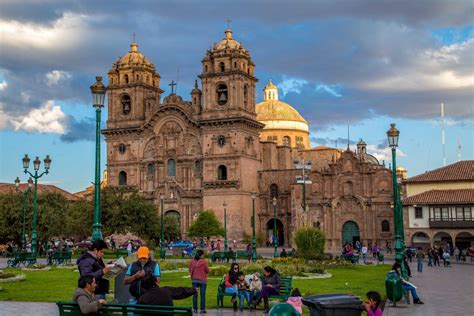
{"x": 329, "y": 89}
{"x": 291, "y": 85}
{"x": 64, "y": 32}
{"x": 3, "y": 85}
{"x": 47, "y": 119}
{"x": 5, "y": 118}
{"x": 384, "y": 153}
{"x": 55, "y": 76}
{"x": 432, "y": 69}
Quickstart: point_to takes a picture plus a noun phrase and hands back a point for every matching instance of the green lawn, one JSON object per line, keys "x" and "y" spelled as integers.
{"x": 58, "y": 284}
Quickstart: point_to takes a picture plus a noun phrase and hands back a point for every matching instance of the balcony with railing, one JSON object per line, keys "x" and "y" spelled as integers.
{"x": 451, "y": 223}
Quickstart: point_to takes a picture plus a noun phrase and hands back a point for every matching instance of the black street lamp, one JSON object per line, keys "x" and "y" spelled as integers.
{"x": 275, "y": 240}
{"x": 254, "y": 240}
{"x": 36, "y": 165}
{"x": 303, "y": 179}
{"x": 98, "y": 97}
{"x": 25, "y": 194}
{"x": 399, "y": 246}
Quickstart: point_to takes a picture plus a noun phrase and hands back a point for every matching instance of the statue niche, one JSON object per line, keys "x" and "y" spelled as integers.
{"x": 171, "y": 132}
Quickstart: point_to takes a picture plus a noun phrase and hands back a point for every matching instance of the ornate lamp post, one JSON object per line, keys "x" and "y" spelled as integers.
{"x": 25, "y": 194}
{"x": 254, "y": 240}
{"x": 302, "y": 165}
{"x": 98, "y": 96}
{"x": 36, "y": 176}
{"x": 225, "y": 226}
{"x": 275, "y": 241}
{"x": 162, "y": 241}
{"x": 399, "y": 246}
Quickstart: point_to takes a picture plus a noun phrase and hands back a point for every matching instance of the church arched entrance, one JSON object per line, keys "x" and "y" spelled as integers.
{"x": 172, "y": 225}
{"x": 279, "y": 230}
{"x": 350, "y": 233}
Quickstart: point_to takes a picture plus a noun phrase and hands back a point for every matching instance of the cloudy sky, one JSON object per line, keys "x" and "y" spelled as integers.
{"x": 359, "y": 63}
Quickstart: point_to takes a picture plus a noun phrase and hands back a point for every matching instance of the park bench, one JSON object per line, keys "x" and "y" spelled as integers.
{"x": 223, "y": 255}
{"x": 122, "y": 252}
{"x": 59, "y": 257}
{"x": 242, "y": 254}
{"x": 353, "y": 259}
{"x": 72, "y": 309}
{"x": 285, "y": 290}
{"x": 25, "y": 258}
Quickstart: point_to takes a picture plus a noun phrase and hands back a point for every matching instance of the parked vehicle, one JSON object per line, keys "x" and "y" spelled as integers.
{"x": 180, "y": 244}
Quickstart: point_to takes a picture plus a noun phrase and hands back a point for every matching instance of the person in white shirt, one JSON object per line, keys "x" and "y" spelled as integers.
{"x": 364, "y": 253}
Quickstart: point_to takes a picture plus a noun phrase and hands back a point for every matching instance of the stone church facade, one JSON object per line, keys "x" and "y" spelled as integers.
{"x": 220, "y": 147}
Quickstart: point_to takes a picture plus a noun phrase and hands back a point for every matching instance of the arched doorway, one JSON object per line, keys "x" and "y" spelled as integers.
{"x": 279, "y": 230}
{"x": 350, "y": 233}
{"x": 441, "y": 239}
{"x": 464, "y": 240}
{"x": 172, "y": 225}
{"x": 420, "y": 239}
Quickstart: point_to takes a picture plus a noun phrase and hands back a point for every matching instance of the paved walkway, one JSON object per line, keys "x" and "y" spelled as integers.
{"x": 445, "y": 291}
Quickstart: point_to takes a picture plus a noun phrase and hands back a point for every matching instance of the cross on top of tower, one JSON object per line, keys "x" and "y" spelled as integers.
{"x": 228, "y": 22}
{"x": 134, "y": 37}
{"x": 172, "y": 84}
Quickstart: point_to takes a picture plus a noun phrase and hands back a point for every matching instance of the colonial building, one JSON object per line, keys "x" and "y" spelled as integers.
{"x": 439, "y": 206}
{"x": 215, "y": 150}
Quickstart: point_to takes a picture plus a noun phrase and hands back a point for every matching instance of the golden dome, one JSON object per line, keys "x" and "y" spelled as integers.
{"x": 134, "y": 57}
{"x": 270, "y": 85}
{"x": 274, "y": 110}
{"x": 228, "y": 42}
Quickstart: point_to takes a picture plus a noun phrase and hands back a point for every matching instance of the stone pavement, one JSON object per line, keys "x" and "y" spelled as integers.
{"x": 445, "y": 291}
{"x": 50, "y": 309}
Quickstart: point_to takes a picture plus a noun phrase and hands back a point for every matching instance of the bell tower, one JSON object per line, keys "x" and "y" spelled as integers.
{"x": 230, "y": 133}
{"x": 133, "y": 91}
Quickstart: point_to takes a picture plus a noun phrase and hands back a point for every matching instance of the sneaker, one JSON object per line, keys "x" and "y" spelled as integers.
{"x": 418, "y": 301}
{"x": 195, "y": 311}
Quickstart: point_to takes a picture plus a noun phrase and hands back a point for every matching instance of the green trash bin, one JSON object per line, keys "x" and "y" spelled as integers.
{"x": 162, "y": 254}
{"x": 283, "y": 309}
{"x": 393, "y": 287}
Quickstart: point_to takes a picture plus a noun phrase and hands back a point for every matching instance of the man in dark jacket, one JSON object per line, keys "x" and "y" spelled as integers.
{"x": 164, "y": 296}
{"x": 90, "y": 264}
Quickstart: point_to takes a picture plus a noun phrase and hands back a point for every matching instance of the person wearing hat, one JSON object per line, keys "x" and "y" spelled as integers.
{"x": 137, "y": 271}
{"x": 90, "y": 264}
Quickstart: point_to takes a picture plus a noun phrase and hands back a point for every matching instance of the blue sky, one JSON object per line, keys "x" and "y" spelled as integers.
{"x": 364, "y": 64}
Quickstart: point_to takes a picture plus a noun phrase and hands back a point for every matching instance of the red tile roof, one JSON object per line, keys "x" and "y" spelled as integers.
{"x": 459, "y": 171}
{"x": 42, "y": 188}
{"x": 445, "y": 197}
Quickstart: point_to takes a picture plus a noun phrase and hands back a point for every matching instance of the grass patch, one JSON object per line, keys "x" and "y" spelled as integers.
{"x": 59, "y": 284}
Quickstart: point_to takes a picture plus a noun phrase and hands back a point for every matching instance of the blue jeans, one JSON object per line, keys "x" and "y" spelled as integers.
{"x": 420, "y": 265}
{"x": 411, "y": 289}
{"x": 232, "y": 290}
{"x": 202, "y": 291}
{"x": 242, "y": 295}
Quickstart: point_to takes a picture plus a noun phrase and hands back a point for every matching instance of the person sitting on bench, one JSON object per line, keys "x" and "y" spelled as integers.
{"x": 406, "y": 285}
{"x": 85, "y": 297}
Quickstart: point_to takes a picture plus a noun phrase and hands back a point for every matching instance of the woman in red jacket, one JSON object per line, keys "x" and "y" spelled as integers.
{"x": 199, "y": 270}
{"x": 230, "y": 283}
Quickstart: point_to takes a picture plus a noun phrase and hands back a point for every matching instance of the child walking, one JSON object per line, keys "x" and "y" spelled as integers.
{"x": 372, "y": 305}
{"x": 295, "y": 300}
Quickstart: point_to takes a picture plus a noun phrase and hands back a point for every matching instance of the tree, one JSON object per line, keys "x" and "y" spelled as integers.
{"x": 206, "y": 225}
{"x": 11, "y": 216}
{"x": 310, "y": 242}
{"x": 171, "y": 228}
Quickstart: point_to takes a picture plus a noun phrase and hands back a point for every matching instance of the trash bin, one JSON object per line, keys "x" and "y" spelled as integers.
{"x": 334, "y": 305}
{"x": 283, "y": 309}
{"x": 393, "y": 287}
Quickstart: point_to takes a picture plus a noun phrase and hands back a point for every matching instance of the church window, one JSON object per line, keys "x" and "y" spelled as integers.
{"x": 138, "y": 77}
{"x": 221, "y": 140}
{"x": 287, "y": 141}
{"x": 246, "y": 92}
{"x": 122, "y": 178}
{"x": 126, "y": 78}
{"x": 299, "y": 142}
{"x": 126, "y": 104}
{"x": 205, "y": 67}
{"x": 248, "y": 71}
{"x": 194, "y": 100}
{"x": 122, "y": 148}
{"x": 385, "y": 226}
{"x": 222, "y": 94}
{"x": 273, "y": 190}
{"x": 150, "y": 169}
{"x": 222, "y": 172}
{"x": 171, "y": 168}
{"x": 222, "y": 66}
{"x": 197, "y": 167}
{"x": 235, "y": 64}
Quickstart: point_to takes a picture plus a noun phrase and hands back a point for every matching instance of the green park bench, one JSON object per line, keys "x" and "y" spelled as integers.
{"x": 223, "y": 255}
{"x": 121, "y": 252}
{"x": 60, "y": 257}
{"x": 25, "y": 258}
{"x": 68, "y": 308}
{"x": 242, "y": 254}
{"x": 285, "y": 290}
{"x": 353, "y": 259}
